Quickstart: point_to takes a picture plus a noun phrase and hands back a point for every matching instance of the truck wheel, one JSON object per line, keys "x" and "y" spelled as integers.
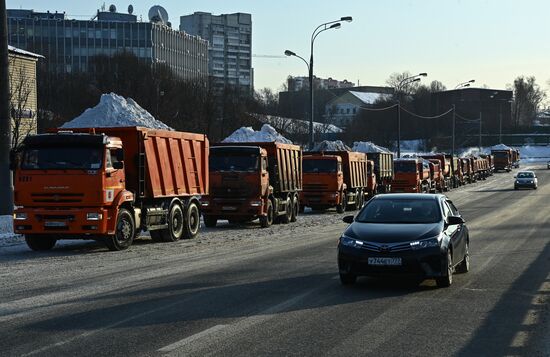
{"x": 295, "y": 209}
{"x": 285, "y": 218}
{"x": 210, "y": 221}
{"x": 267, "y": 220}
{"x": 39, "y": 242}
{"x": 175, "y": 224}
{"x": 191, "y": 222}
{"x": 124, "y": 232}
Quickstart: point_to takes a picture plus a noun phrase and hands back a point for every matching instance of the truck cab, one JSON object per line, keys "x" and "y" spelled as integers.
{"x": 411, "y": 175}
{"x": 323, "y": 181}
{"x": 68, "y": 183}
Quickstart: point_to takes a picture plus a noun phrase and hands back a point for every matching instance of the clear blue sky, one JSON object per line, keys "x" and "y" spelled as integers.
{"x": 491, "y": 41}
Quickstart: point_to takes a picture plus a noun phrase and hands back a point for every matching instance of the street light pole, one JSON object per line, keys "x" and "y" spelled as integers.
{"x": 454, "y": 122}
{"x": 404, "y": 81}
{"x": 465, "y": 84}
{"x": 6, "y": 184}
{"x": 500, "y": 124}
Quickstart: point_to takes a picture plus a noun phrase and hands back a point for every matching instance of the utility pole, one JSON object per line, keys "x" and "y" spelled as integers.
{"x": 479, "y": 131}
{"x": 454, "y": 121}
{"x": 500, "y": 124}
{"x": 6, "y": 184}
{"x": 399, "y": 127}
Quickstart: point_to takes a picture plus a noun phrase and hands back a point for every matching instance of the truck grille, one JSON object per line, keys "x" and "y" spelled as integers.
{"x": 230, "y": 192}
{"x": 57, "y": 197}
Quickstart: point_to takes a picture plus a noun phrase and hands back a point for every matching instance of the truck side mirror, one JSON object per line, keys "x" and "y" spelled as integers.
{"x": 119, "y": 153}
{"x": 118, "y": 165}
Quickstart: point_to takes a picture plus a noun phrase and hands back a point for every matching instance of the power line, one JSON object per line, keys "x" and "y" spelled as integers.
{"x": 424, "y": 117}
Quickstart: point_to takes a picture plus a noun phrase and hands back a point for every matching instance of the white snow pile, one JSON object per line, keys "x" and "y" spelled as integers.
{"x": 115, "y": 111}
{"x": 296, "y": 126}
{"x": 247, "y": 134}
{"x": 327, "y": 145}
{"x": 368, "y": 147}
{"x": 7, "y": 237}
{"x": 500, "y": 147}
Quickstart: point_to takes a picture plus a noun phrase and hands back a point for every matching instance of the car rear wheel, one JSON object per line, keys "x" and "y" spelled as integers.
{"x": 348, "y": 278}
{"x": 446, "y": 280}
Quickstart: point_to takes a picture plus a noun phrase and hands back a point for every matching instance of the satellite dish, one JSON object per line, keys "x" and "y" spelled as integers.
{"x": 130, "y": 9}
{"x": 158, "y": 14}
{"x": 112, "y": 8}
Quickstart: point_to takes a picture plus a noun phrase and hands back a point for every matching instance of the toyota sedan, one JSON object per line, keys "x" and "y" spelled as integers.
{"x": 419, "y": 235}
{"x": 525, "y": 179}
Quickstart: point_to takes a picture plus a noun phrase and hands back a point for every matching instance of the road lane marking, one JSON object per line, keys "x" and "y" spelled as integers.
{"x": 192, "y": 338}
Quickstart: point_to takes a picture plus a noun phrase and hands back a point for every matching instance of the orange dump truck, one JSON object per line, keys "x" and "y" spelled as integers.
{"x": 411, "y": 175}
{"x": 503, "y": 159}
{"x": 253, "y": 180}
{"x": 383, "y": 170}
{"x": 335, "y": 179}
{"x": 109, "y": 184}
{"x": 445, "y": 163}
{"x": 436, "y": 176}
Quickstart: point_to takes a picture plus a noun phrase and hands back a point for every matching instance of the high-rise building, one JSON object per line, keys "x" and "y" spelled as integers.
{"x": 69, "y": 44}
{"x": 230, "y": 46}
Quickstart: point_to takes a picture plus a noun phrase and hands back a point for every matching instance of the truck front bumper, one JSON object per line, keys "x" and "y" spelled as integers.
{"x": 319, "y": 198}
{"x": 64, "y": 221}
{"x": 232, "y": 207}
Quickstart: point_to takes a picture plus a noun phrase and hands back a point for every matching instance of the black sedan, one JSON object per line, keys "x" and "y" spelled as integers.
{"x": 421, "y": 235}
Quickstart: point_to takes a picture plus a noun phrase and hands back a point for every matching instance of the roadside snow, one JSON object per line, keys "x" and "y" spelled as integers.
{"x": 115, "y": 111}
{"x": 296, "y": 126}
{"x": 7, "y": 237}
{"x": 327, "y": 145}
{"x": 247, "y": 134}
{"x": 368, "y": 147}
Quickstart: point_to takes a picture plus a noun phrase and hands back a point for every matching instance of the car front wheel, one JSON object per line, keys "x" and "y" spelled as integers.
{"x": 446, "y": 280}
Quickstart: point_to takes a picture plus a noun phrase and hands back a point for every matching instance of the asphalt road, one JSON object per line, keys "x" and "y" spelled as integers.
{"x": 246, "y": 291}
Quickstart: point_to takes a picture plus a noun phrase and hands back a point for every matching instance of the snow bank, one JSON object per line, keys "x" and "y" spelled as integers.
{"x": 7, "y": 237}
{"x": 367, "y": 146}
{"x": 327, "y": 145}
{"x": 115, "y": 111}
{"x": 500, "y": 147}
{"x": 247, "y": 134}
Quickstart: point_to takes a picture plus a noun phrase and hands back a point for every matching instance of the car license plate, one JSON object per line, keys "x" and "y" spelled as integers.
{"x": 55, "y": 224}
{"x": 384, "y": 261}
{"x": 229, "y": 208}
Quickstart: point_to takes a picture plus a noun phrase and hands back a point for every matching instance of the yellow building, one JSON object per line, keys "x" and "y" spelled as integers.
{"x": 23, "y": 97}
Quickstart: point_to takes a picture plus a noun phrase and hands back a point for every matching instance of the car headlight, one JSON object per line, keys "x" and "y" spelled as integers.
{"x": 20, "y": 216}
{"x": 517, "y": 181}
{"x": 426, "y": 243}
{"x": 94, "y": 216}
{"x": 350, "y": 242}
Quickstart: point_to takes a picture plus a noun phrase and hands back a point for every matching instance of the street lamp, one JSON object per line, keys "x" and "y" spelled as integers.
{"x": 398, "y": 89}
{"x": 323, "y": 27}
{"x": 465, "y": 84}
{"x": 290, "y": 53}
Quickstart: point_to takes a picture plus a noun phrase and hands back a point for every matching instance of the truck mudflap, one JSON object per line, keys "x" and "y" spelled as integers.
{"x": 65, "y": 221}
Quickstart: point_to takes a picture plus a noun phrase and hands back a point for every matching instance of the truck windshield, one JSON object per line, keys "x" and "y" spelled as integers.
{"x": 315, "y": 166}
{"x": 62, "y": 158}
{"x": 501, "y": 154}
{"x": 243, "y": 163}
{"x": 404, "y": 166}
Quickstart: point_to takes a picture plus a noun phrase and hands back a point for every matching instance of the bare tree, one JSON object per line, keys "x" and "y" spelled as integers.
{"x": 527, "y": 98}
{"x": 406, "y": 89}
{"x": 23, "y": 118}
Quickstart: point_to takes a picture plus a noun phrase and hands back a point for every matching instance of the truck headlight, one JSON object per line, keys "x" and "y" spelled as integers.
{"x": 425, "y": 243}
{"x": 94, "y": 216}
{"x": 20, "y": 216}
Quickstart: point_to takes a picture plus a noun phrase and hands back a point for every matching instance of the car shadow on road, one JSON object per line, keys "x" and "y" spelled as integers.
{"x": 497, "y": 336}
{"x": 495, "y": 190}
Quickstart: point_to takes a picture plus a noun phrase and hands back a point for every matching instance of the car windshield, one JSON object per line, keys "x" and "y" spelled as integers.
{"x": 404, "y": 166}
{"x": 400, "y": 211}
{"x": 241, "y": 163}
{"x": 62, "y": 158}
{"x": 525, "y": 175}
{"x": 315, "y": 166}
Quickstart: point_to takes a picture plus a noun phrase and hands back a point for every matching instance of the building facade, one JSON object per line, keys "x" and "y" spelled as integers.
{"x": 343, "y": 109}
{"x": 295, "y": 84}
{"x": 69, "y": 44}
{"x": 23, "y": 93}
{"x": 230, "y": 46}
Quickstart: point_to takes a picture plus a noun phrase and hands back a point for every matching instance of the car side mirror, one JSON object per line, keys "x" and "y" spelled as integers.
{"x": 455, "y": 220}
{"x": 515, "y": 177}
{"x": 348, "y": 219}
{"x": 118, "y": 165}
